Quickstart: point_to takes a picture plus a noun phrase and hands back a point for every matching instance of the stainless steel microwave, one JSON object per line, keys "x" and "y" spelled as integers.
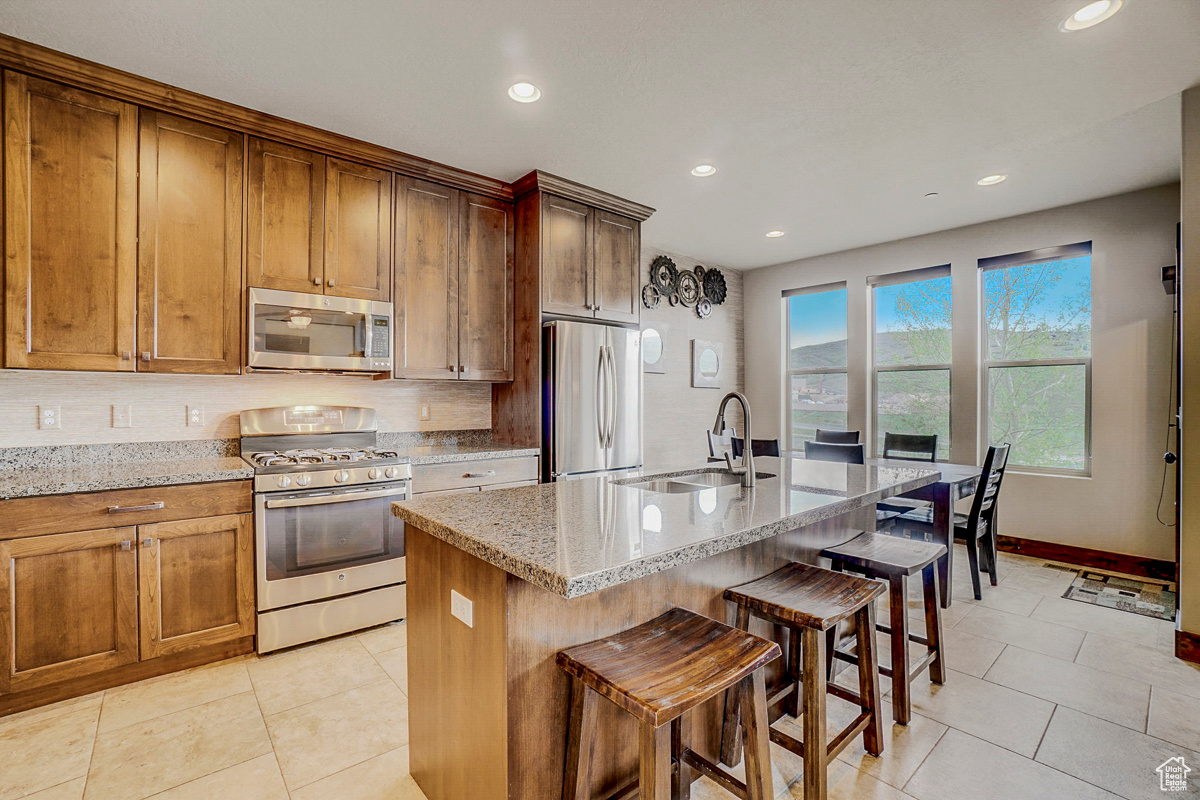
{"x": 316, "y": 332}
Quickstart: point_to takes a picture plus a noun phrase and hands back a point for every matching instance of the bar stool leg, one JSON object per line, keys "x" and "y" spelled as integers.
{"x": 933, "y": 624}
{"x": 655, "y": 777}
{"x": 816, "y": 777}
{"x": 791, "y": 703}
{"x": 731, "y": 742}
{"x": 577, "y": 777}
{"x": 868, "y": 678}
{"x": 756, "y": 733}
{"x": 681, "y": 779}
{"x": 898, "y": 603}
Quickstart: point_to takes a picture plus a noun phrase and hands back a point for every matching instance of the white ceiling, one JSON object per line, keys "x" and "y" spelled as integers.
{"x": 829, "y": 119}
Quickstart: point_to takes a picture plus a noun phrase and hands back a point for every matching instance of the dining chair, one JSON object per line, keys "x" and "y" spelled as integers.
{"x": 759, "y": 447}
{"x": 719, "y": 444}
{"x": 977, "y": 525}
{"x": 842, "y": 453}
{"x": 909, "y": 447}
{"x": 837, "y": 437}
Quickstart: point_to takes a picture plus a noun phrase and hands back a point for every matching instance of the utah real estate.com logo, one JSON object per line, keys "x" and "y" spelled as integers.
{"x": 1173, "y": 775}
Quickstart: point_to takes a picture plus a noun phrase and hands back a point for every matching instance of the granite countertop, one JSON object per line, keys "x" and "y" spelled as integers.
{"x": 94, "y": 477}
{"x": 579, "y": 536}
{"x": 446, "y": 453}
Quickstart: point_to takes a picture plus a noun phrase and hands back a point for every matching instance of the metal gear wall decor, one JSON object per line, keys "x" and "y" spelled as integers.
{"x": 699, "y": 288}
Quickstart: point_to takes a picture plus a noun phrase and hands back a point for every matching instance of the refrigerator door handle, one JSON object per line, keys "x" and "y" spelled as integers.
{"x": 612, "y": 393}
{"x": 601, "y": 399}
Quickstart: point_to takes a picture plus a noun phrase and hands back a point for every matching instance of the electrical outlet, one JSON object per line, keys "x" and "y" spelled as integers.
{"x": 424, "y": 411}
{"x": 462, "y": 608}
{"x": 49, "y": 418}
{"x": 195, "y": 415}
{"x": 122, "y": 416}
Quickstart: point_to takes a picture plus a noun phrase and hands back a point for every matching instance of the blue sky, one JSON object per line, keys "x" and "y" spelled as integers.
{"x": 817, "y": 318}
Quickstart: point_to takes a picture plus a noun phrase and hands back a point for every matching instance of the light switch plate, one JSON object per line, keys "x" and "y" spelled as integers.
{"x": 424, "y": 411}
{"x": 122, "y": 416}
{"x": 462, "y": 608}
{"x": 195, "y": 415}
{"x": 49, "y": 418}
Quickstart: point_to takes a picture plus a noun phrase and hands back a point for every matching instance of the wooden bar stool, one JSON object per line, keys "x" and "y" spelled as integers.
{"x": 809, "y": 601}
{"x": 656, "y": 672}
{"x": 892, "y": 559}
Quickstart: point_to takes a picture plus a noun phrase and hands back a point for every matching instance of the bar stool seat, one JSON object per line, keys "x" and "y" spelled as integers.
{"x": 657, "y": 672}
{"x": 894, "y": 560}
{"x": 809, "y": 601}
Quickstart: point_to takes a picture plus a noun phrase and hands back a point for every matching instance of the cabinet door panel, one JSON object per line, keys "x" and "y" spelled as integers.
{"x": 358, "y": 209}
{"x": 70, "y": 195}
{"x": 566, "y": 257}
{"x": 618, "y": 266}
{"x": 285, "y": 217}
{"x": 190, "y": 247}
{"x": 427, "y": 307}
{"x": 197, "y": 583}
{"x": 69, "y": 606}
{"x": 485, "y": 297}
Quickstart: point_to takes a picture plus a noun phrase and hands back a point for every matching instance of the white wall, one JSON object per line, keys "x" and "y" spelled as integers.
{"x": 1189, "y": 551}
{"x": 676, "y": 413}
{"x": 1132, "y": 236}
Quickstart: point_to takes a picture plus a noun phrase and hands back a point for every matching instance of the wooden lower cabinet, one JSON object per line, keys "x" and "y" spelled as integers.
{"x": 77, "y": 605}
{"x": 69, "y": 606}
{"x": 196, "y": 579}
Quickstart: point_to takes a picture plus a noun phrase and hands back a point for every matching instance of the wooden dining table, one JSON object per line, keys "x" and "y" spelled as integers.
{"x": 957, "y": 482}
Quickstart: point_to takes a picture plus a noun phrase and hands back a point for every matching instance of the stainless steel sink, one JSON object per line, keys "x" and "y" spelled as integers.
{"x": 667, "y": 486}
{"x": 693, "y": 482}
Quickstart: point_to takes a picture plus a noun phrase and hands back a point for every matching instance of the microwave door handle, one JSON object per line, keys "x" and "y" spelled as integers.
{"x": 323, "y": 499}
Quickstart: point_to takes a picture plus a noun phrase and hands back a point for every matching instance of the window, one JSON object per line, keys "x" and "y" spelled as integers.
{"x": 912, "y": 354}
{"x": 1037, "y": 341}
{"x": 816, "y": 366}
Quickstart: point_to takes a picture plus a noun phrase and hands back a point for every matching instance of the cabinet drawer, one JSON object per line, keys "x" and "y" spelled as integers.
{"x": 33, "y": 516}
{"x": 461, "y": 474}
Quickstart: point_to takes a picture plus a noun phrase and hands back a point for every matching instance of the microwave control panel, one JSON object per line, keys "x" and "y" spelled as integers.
{"x": 381, "y": 337}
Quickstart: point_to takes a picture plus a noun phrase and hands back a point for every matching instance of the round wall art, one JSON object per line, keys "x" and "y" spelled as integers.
{"x": 699, "y": 288}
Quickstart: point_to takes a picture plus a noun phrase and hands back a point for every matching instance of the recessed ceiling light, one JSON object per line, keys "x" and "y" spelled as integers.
{"x": 1091, "y": 14}
{"x": 704, "y": 170}
{"x": 524, "y": 92}
{"x": 992, "y": 180}
{"x": 774, "y": 234}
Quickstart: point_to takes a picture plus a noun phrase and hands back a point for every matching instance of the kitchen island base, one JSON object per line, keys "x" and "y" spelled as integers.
{"x": 488, "y": 707}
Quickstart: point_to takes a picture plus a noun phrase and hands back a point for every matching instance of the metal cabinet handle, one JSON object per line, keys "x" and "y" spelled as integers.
{"x": 146, "y": 355}
{"x": 147, "y": 542}
{"x": 330, "y": 281}
{"x": 462, "y": 368}
{"x": 126, "y": 355}
{"x": 487, "y": 474}
{"x": 316, "y": 281}
{"x": 126, "y": 545}
{"x": 126, "y": 509}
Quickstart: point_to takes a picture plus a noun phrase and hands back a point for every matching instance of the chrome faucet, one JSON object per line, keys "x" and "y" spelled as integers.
{"x": 746, "y": 468}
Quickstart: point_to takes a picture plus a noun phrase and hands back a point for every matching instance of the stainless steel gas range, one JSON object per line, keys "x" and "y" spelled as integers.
{"x": 330, "y": 555}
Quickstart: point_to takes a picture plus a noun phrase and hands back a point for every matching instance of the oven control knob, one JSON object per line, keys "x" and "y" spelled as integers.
{"x": 303, "y": 480}
{"x": 375, "y": 473}
{"x": 284, "y": 481}
{"x": 390, "y": 472}
{"x": 341, "y": 476}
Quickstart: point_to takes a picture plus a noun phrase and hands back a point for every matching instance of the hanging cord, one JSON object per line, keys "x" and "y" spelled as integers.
{"x": 1174, "y": 419}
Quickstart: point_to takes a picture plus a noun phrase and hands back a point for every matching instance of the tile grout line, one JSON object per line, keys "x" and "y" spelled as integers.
{"x": 351, "y": 766}
{"x": 87, "y": 776}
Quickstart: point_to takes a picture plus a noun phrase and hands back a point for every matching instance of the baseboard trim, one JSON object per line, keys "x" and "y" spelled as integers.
{"x": 1187, "y": 646}
{"x": 1086, "y": 557}
{"x": 139, "y": 670}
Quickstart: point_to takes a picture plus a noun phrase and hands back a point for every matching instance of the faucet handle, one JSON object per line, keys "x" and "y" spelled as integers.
{"x": 729, "y": 461}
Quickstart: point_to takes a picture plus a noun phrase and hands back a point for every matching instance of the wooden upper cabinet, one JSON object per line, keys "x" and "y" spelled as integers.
{"x": 617, "y": 261}
{"x": 190, "y": 246}
{"x": 485, "y": 295}
{"x": 427, "y": 257}
{"x": 196, "y": 580}
{"x": 285, "y": 217}
{"x": 70, "y": 198}
{"x": 68, "y": 606}
{"x": 358, "y": 246}
{"x": 566, "y": 257}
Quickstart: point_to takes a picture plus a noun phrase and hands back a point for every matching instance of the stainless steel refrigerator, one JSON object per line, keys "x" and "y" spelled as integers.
{"x": 592, "y": 399}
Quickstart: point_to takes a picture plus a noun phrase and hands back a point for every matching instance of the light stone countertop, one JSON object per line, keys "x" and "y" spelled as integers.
{"x": 95, "y": 477}
{"x": 579, "y": 536}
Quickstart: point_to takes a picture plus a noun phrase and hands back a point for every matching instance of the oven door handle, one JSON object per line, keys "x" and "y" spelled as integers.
{"x": 320, "y": 500}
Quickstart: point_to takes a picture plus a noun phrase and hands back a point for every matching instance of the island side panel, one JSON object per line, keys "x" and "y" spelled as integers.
{"x": 541, "y": 623}
{"x": 457, "y": 711}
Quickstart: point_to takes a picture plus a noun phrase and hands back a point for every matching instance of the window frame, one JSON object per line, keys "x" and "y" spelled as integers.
{"x": 895, "y": 279}
{"x": 789, "y": 372}
{"x": 986, "y": 364}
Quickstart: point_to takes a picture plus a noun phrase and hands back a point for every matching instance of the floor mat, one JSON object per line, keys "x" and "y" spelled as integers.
{"x": 1147, "y": 598}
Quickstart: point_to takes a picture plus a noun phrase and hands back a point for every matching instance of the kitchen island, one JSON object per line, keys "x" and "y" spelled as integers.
{"x": 498, "y": 582}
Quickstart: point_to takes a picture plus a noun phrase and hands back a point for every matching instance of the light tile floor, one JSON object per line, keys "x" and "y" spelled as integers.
{"x": 1047, "y": 698}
